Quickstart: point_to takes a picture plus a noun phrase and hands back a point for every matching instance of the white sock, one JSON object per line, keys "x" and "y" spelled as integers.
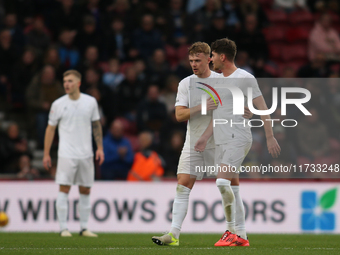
{"x": 240, "y": 225}
{"x": 228, "y": 202}
{"x": 62, "y": 209}
{"x": 84, "y": 210}
{"x": 179, "y": 209}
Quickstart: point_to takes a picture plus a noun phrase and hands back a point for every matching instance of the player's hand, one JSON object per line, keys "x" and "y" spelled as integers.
{"x": 100, "y": 156}
{"x": 247, "y": 113}
{"x": 200, "y": 144}
{"x": 211, "y": 104}
{"x": 47, "y": 162}
{"x": 273, "y": 147}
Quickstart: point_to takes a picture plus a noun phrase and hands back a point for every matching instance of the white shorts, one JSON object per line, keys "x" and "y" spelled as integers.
{"x": 232, "y": 153}
{"x": 72, "y": 171}
{"x": 196, "y": 163}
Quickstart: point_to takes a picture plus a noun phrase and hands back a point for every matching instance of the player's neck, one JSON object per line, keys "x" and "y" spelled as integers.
{"x": 206, "y": 74}
{"x": 75, "y": 95}
{"x": 228, "y": 69}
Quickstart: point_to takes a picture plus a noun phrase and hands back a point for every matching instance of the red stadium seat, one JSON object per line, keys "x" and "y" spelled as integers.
{"x": 277, "y": 17}
{"x": 275, "y": 50}
{"x": 298, "y": 34}
{"x": 274, "y": 34}
{"x": 301, "y": 18}
{"x": 294, "y": 52}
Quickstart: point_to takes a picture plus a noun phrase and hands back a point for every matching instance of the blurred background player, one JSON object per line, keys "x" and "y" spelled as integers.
{"x": 74, "y": 113}
{"x": 233, "y": 142}
{"x": 199, "y": 58}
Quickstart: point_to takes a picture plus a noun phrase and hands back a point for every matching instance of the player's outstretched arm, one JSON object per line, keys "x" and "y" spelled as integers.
{"x": 98, "y": 137}
{"x": 184, "y": 113}
{"x": 273, "y": 146}
{"x": 202, "y": 141}
{"x": 49, "y": 135}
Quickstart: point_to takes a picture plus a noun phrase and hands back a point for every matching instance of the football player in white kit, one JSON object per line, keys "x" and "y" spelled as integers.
{"x": 75, "y": 114}
{"x": 199, "y": 58}
{"x": 233, "y": 141}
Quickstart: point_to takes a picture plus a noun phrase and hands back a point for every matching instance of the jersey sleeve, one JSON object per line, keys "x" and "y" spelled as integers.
{"x": 95, "y": 113}
{"x": 252, "y": 82}
{"x": 182, "y": 98}
{"x": 53, "y": 117}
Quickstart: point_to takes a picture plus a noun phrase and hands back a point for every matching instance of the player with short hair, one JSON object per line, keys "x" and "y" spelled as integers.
{"x": 74, "y": 114}
{"x": 199, "y": 58}
{"x": 232, "y": 143}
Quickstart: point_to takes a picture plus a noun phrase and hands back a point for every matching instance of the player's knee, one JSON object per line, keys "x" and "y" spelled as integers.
{"x": 186, "y": 181}
{"x": 84, "y": 190}
{"x": 64, "y": 188}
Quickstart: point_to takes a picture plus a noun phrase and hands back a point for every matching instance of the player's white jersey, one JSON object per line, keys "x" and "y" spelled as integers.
{"x": 223, "y": 133}
{"x": 74, "y": 119}
{"x": 199, "y": 123}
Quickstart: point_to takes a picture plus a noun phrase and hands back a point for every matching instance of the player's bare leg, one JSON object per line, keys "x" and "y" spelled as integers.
{"x": 179, "y": 210}
{"x": 240, "y": 226}
{"x": 223, "y": 182}
{"x": 62, "y": 209}
{"x": 85, "y": 211}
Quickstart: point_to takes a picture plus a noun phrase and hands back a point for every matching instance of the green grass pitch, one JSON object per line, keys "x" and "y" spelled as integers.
{"x": 51, "y": 243}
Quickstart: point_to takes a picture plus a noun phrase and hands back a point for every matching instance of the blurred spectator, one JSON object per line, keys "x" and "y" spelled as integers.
{"x": 313, "y": 137}
{"x": 233, "y": 20}
{"x": 119, "y": 9}
{"x": 92, "y": 8}
{"x": 324, "y": 39}
{"x": 147, "y": 164}
{"x": 172, "y": 153}
{"x": 22, "y": 74}
{"x": 251, "y": 40}
{"x": 201, "y": 19}
{"x": 12, "y": 147}
{"x": 252, "y": 7}
{"x": 11, "y": 23}
{"x": 177, "y": 20}
{"x": 90, "y": 60}
{"x": 218, "y": 29}
{"x": 183, "y": 69}
{"x": 88, "y": 36}
{"x": 152, "y": 7}
{"x": 130, "y": 92}
{"x": 118, "y": 153}
{"x": 118, "y": 42}
{"x": 113, "y": 77}
{"x": 40, "y": 94}
{"x": 97, "y": 95}
{"x": 316, "y": 68}
{"x": 158, "y": 67}
{"x": 290, "y": 5}
{"x": 107, "y": 97}
{"x": 8, "y": 54}
{"x": 146, "y": 38}
{"x": 51, "y": 58}
{"x": 65, "y": 16}
{"x": 151, "y": 112}
{"x": 38, "y": 36}
{"x": 141, "y": 71}
{"x": 25, "y": 170}
{"x": 242, "y": 61}
{"x": 170, "y": 92}
{"x": 68, "y": 54}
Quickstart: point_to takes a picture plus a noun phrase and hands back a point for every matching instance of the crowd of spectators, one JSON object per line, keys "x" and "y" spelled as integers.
{"x": 133, "y": 53}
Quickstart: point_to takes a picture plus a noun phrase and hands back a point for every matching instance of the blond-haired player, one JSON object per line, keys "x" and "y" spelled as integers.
{"x": 75, "y": 114}
{"x": 199, "y": 58}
